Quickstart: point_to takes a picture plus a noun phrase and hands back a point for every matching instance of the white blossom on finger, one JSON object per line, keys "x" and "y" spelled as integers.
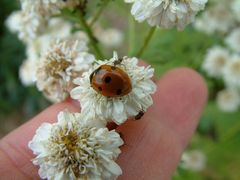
{"x": 75, "y": 149}
{"x": 167, "y": 13}
{"x": 118, "y": 109}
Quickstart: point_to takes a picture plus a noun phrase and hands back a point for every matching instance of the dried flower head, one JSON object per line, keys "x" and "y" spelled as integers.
{"x": 74, "y": 149}
{"x": 167, "y": 13}
{"x": 120, "y": 108}
{"x": 65, "y": 61}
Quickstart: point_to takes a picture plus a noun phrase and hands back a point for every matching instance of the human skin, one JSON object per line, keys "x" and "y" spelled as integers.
{"x": 153, "y": 145}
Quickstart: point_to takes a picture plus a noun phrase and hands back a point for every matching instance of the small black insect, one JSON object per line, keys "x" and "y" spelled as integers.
{"x": 118, "y": 61}
{"x": 139, "y": 115}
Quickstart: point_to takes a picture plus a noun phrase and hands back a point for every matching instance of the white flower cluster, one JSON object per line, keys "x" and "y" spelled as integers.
{"x": 220, "y": 63}
{"x": 224, "y": 62}
{"x": 221, "y": 16}
{"x": 55, "y": 29}
{"x": 51, "y": 48}
{"x": 166, "y": 13}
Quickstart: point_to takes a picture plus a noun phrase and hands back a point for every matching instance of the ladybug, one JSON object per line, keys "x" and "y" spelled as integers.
{"x": 111, "y": 81}
{"x": 139, "y": 115}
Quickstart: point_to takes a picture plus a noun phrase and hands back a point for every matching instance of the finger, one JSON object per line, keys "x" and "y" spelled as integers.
{"x": 153, "y": 145}
{"x": 15, "y": 156}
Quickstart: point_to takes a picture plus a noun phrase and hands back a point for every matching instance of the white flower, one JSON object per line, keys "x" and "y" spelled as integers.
{"x": 33, "y": 27}
{"x": 47, "y": 8}
{"x": 194, "y": 160}
{"x": 118, "y": 109}
{"x": 64, "y": 61}
{"x": 13, "y": 21}
{"x": 217, "y": 18}
{"x": 110, "y": 37}
{"x": 32, "y": 20}
{"x": 74, "y": 149}
{"x": 167, "y": 13}
{"x": 215, "y": 61}
{"x": 28, "y": 26}
{"x": 231, "y": 72}
{"x": 228, "y": 100}
{"x": 235, "y": 8}
{"x": 27, "y": 72}
{"x": 56, "y": 29}
{"x": 233, "y": 40}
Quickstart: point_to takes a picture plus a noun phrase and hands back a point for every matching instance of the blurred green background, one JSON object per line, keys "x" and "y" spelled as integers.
{"x": 218, "y": 133}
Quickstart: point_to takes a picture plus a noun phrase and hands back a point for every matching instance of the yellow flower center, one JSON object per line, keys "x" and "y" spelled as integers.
{"x": 56, "y": 67}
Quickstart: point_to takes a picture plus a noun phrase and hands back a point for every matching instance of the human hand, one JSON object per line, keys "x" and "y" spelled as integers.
{"x": 153, "y": 145}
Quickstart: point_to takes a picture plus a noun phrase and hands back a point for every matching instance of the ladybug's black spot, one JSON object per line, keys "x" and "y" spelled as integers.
{"x": 108, "y": 79}
{"x": 99, "y": 88}
{"x": 119, "y": 92}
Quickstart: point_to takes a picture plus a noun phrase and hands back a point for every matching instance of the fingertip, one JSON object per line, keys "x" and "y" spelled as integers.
{"x": 181, "y": 97}
{"x": 191, "y": 76}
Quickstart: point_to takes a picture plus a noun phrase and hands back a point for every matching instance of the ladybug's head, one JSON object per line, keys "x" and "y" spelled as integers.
{"x": 93, "y": 73}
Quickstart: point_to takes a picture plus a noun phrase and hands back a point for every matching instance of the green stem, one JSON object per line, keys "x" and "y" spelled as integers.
{"x": 131, "y": 35}
{"x": 147, "y": 41}
{"x": 99, "y": 12}
{"x": 93, "y": 40}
